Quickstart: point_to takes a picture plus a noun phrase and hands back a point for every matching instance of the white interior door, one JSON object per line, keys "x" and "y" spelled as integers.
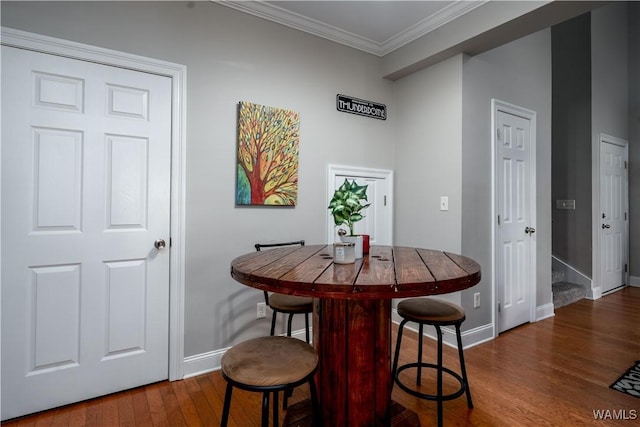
{"x": 85, "y": 194}
{"x": 377, "y": 217}
{"x": 614, "y": 199}
{"x": 515, "y": 238}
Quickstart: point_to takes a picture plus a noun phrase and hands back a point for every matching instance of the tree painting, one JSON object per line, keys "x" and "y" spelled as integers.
{"x": 268, "y": 140}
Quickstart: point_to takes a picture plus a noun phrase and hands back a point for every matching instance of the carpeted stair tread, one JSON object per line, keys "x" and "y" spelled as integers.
{"x": 565, "y": 293}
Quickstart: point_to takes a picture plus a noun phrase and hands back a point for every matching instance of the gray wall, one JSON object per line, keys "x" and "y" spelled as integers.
{"x": 571, "y": 159}
{"x": 590, "y": 97}
{"x": 634, "y": 140}
{"x": 443, "y": 148}
{"x": 609, "y": 87}
{"x": 232, "y": 56}
{"x": 428, "y": 157}
{"x": 610, "y": 81}
{"x": 518, "y": 73}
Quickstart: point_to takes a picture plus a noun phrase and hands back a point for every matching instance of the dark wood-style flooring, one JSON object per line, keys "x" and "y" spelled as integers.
{"x": 555, "y": 372}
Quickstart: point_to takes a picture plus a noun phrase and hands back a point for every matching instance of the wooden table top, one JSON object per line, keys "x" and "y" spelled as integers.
{"x": 386, "y": 272}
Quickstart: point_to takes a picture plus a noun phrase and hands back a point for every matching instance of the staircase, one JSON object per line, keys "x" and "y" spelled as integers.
{"x": 565, "y": 293}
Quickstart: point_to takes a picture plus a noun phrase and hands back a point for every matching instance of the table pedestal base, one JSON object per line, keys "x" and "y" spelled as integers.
{"x": 353, "y": 340}
{"x": 299, "y": 415}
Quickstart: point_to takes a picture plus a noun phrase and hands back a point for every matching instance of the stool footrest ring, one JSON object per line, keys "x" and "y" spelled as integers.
{"x": 433, "y": 397}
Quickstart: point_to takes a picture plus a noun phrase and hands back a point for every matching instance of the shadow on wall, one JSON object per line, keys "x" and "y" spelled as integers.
{"x": 239, "y": 317}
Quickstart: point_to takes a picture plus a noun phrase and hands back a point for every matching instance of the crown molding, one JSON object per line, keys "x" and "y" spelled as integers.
{"x": 430, "y": 23}
{"x": 282, "y": 16}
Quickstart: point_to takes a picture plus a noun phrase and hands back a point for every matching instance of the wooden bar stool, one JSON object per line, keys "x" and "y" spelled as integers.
{"x": 287, "y": 304}
{"x": 268, "y": 365}
{"x": 437, "y": 313}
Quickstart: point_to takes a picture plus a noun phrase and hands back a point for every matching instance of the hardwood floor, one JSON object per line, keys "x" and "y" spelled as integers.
{"x": 555, "y": 372}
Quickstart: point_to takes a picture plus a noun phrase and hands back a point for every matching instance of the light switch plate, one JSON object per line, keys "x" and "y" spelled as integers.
{"x": 261, "y": 310}
{"x": 566, "y": 204}
{"x": 444, "y": 203}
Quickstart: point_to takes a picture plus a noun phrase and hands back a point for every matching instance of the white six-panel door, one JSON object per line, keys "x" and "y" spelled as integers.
{"x": 515, "y": 226}
{"x": 85, "y": 194}
{"x": 613, "y": 213}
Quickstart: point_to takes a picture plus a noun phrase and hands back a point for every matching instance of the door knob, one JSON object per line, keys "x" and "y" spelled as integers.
{"x": 160, "y": 244}
{"x": 606, "y": 226}
{"x": 529, "y": 230}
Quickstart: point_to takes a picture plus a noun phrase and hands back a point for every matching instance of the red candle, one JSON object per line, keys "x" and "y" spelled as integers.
{"x": 365, "y": 244}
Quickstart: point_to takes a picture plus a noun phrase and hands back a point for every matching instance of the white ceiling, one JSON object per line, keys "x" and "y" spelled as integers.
{"x": 376, "y": 27}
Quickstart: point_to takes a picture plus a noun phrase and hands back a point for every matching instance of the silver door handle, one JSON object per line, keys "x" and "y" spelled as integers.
{"x": 529, "y": 230}
{"x": 606, "y": 226}
{"x": 160, "y": 244}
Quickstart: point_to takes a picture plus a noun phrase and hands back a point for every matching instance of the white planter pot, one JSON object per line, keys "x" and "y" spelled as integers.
{"x": 357, "y": 241}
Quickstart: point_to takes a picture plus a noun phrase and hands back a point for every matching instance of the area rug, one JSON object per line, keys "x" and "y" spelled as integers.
{"x": 629, "y": 383}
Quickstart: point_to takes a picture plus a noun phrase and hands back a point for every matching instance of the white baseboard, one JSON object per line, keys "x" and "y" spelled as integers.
{"x": 470, "y": 338}
{"x": 202, "y": 363}
{"x": 634, "y": 281}
{"x": 594, "y": 293}
{"x": 477, "y": 336}
{"x": 544, "y": 312}
{"x": 210, "y": 361}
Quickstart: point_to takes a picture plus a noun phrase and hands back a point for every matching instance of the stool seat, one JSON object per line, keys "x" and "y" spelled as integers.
{"x": 290, "y": 303}
{"x": 269, "y": 365}
{"x": 431, "y": 311}
{"x": 269, "y": 361}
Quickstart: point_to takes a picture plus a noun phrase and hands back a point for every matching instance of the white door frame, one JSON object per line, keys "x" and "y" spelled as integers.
{"x": 178, "y": 75}
{"x": 596, "y": 284}
{"x": 335, "y": 170}
{"x": 497, "y": 105}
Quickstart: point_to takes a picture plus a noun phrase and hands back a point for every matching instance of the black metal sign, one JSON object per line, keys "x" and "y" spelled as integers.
{"x": 361, "y": 107}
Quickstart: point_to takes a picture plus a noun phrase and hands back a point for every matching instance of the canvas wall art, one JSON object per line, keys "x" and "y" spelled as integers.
{"x": 268, "y": 141}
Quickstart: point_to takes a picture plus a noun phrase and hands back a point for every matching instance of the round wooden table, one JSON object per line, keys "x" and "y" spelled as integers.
{"x": 352, "y": 316}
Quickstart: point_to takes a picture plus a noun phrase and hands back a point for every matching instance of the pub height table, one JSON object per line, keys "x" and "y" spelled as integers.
{"x": 352, "y": 317}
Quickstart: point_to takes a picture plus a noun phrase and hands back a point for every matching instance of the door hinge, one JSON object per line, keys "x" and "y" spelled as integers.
{"x": 170, "y": 242}
{"x": 498, "y": 219}
{"x": 625, "y": 164}
{"x": 625, "y": 216}
{"x": 625, "y": 268}
{"x": 499, "y": 307}
{"x": 498, "y": 133}
{"x": 385, "y": 200}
